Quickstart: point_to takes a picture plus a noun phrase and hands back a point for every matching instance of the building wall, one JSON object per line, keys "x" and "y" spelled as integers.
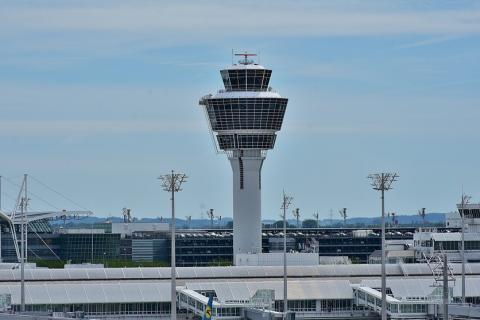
{"x": 85, "y": 247}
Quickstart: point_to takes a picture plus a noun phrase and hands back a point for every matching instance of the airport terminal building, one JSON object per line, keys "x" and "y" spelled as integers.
{"x": 314, "y": 292}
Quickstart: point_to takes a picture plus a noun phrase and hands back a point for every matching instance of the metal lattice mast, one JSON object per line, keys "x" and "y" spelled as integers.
{"x": 343, "y": 214}
{"x": 287, "y": 200}
{"x": 422, "y": 214}
{"x": 383, "y": 182}
{"x": 211, "y": 216}
{"x": 23, "y": 210}
{"x": 445, "y": 287}
{"x": 172, "y": 183}
{"x": 315, "y": 215}
{"x": 465, "y": 201}
{"x": 296, "y": 214}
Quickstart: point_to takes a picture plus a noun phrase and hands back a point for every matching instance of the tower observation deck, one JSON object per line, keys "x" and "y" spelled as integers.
{"x": 244, "y": 118}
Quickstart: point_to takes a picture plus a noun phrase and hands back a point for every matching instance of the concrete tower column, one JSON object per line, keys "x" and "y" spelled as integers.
{"x": 247, "y": 205}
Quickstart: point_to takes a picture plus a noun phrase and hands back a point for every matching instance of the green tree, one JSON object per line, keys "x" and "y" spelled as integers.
{"x": 279, "y": 225}
{"x": 309, "y": 223}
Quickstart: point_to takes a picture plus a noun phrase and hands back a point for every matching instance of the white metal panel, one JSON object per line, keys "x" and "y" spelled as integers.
{"x": 150, "y": 273}
{"x": 132, "y": 273}
{"x": 131, "y": 292}
{"x": 96, "y": 273}
{"x": 56, "y": 292}
{"x": 114, "y": 293}
{"x": 114, "y": 273}
{"x": 77, "y": 294}
{"x": 94, "y": 293}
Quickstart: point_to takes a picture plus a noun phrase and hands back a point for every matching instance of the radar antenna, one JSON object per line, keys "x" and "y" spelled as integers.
{"x": 245, "y": 56}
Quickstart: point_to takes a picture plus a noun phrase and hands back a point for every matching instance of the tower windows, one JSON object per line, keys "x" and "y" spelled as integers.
{"x": 246, "y": 79}
{"x": 240, "y": 164}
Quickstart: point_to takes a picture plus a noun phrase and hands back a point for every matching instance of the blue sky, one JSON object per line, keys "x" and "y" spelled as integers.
{"x": 97, "y": 98}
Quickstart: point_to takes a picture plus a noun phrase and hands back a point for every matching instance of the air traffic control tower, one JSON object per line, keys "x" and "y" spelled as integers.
{"x": 244, "y": 118}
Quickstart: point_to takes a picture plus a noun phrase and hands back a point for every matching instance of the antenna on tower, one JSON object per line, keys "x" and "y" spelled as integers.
{"x": 127, "y": 217}
{"x": 315, "y": 215}
{"x": 212, "y": 216}
{"x": 343, "y": 214}
{"x": 245, "y": 55}
{"x": 422, "y": 214}
{"x": 296, "y": 214}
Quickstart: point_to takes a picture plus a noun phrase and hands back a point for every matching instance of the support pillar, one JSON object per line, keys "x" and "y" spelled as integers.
{"x": 247, "y": 220}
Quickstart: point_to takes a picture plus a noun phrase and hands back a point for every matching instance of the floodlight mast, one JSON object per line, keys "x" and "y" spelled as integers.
{"x": 343, "y": 214}
{"x": 287, "y": 200}
{"x": 422, "y": 214}
{"x": 315, "y": 215}
{"x": 383, "y": 182}
{"x": 24, "y": 209}
{"x": 173, "y": 183}
{"x": 296, "y": 214}
{"x": 465, "y": 201}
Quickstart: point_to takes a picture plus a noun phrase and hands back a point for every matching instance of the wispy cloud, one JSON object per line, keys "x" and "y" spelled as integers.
{"x": 201, "y": 20}
{"x": 428, "y": 42}
{"x": 94, "y": 127}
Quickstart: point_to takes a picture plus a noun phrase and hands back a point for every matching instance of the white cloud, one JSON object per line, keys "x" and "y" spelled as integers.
{"x": 208, "y": 20}
{"x": 94, "y": 127}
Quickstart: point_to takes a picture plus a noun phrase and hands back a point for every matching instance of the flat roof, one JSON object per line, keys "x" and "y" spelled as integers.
{"x": 297, "y": 290}
{"x": 232, "y": 272}
{"x": 85, "y": 293}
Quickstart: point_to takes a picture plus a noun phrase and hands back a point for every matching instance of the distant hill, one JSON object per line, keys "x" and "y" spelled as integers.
{"x": 430, "y": 218}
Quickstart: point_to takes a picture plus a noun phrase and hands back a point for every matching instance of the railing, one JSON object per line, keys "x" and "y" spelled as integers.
{"x": 269, "y": 89}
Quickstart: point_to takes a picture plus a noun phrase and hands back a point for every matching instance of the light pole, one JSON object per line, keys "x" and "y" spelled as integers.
{"x": 465, "y": 200}
{"x": 172, "y": 183}
{"x": 23, "y": 207}
{"x": 383, "y": 182}
{"x": 0, "y": 192}
{"x": 296, "y": 214}
{"x": 315, "y": 215}
{"x": 343, "y": 214}
{"x": 422, "y": 214}
{"x": 287, "y": 200}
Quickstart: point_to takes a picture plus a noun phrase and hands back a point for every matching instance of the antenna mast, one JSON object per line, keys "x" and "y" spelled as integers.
{"x": 315, "y": 215}
{"x": 343, "y": 214}
{"x": 296, "y": 214}
{"x": 245, "y": 56}
{"x": 383, "y": 182}
{"x": 287, "y": 200}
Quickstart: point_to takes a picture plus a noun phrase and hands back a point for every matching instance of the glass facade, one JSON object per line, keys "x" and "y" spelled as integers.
{"x": 246, "y": 113}
{"x": 246, "y": 141}
{"x": 470, "y": 213}
{"x": 246, "y": 79}
{"x": 101, "y": 309}
{"x": 84, "y": 247}
{"x": 457, "y": 245}
{"x": 39, "y": 236}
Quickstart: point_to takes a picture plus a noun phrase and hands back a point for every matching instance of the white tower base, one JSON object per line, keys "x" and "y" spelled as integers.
{"x": 247, "y": 220}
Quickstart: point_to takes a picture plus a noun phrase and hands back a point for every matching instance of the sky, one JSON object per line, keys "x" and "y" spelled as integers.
{"x": 99, "y": 98}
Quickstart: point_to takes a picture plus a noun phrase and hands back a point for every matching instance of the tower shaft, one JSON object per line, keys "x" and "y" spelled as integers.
{"x": 247, "y": 170}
